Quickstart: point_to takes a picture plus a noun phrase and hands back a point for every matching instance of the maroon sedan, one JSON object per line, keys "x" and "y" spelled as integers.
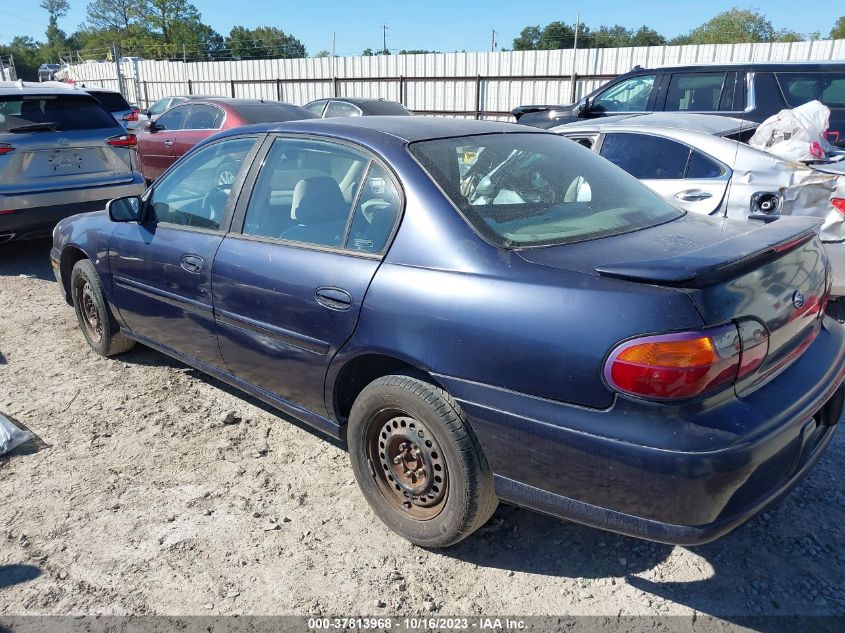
{"x": 176, "y": 131}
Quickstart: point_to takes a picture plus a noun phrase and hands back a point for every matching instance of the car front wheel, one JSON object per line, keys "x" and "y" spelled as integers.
{"x": 418, "y": 462}
{"x": 92, "y": 311}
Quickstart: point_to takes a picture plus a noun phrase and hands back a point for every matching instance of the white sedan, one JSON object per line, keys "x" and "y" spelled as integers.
{"x": 701, "y": 163}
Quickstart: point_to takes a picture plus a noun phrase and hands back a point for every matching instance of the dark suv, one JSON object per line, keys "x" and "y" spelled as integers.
{"x": 754, "y": 91}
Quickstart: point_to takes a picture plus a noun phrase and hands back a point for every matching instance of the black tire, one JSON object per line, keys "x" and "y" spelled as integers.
{"x": 449, "y": 493}
{"x": 95, "y": 318}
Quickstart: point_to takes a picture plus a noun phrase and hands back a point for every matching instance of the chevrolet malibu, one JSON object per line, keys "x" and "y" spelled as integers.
{"x": 484, "y": 312}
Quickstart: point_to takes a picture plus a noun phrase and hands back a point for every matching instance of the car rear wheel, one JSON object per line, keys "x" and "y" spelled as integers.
{"x": 96, "y": 321}
{"x": 418, "y": 462}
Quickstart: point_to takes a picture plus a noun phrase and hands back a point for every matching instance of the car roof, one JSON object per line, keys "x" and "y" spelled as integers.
{"x": 34, "y": 88}
{"x": 705, "y": 123}
{"x": 408, "y": 129}
{"x": 767, "y": 66}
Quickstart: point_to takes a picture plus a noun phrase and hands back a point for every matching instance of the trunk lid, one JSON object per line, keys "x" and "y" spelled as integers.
{"x": 43, "y": 161}
{"x": 752, "y": 273}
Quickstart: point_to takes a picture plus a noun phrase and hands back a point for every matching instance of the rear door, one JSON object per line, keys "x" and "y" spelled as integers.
{"x": 161, "y": 268}
{"x": 685, "y": 176}
{"x": 55, "y": 142}
{"x": 156, "y": 149}
{"x": 289, "y": 286}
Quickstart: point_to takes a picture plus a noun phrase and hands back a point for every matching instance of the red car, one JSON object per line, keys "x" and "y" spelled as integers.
{"x": 176, "y": 131}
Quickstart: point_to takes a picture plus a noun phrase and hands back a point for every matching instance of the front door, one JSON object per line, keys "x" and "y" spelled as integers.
{"x": 161, "y": 267}
{"x": 288, "y": 288}
{"x": 157, "y": 148}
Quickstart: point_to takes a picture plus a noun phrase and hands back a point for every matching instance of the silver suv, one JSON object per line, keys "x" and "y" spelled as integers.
{"x": 61, "y": 153}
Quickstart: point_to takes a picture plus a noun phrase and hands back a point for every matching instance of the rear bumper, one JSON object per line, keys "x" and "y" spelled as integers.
{"x": 682, "y": 475}
{"x": 35, "y": 215}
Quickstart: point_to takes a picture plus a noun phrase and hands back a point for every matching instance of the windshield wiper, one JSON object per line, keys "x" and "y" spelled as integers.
{"x": 47, "y": 126}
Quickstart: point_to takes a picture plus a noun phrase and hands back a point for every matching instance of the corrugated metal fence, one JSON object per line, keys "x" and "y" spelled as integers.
{"x": 483, "y": 85}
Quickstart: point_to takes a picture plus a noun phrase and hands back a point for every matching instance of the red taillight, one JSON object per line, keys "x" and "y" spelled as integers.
{"x": 123, "y": 140}
{"x": 838, "y": 204}
{"x": 687, "y": 364}
{"x": 6, "y": 211}
{"x": 5, "y": 148}
{"x": 132, "y": 116}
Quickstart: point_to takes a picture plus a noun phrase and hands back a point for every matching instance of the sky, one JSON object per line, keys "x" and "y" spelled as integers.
{"x": 437, "y": 24}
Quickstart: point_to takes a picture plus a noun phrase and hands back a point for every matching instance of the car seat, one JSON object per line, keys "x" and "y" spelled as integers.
{"x": 320, "y": 212}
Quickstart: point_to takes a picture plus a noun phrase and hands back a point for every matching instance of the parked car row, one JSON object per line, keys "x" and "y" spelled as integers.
{"x": 483, "y": 311}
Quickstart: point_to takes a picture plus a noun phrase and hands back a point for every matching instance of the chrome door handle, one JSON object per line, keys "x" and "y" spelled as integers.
{"x": 333, "y": 298}
{"x": 694, "y": 196}
{"x": 168, "y": 143}
{"x": 192, "y": 263}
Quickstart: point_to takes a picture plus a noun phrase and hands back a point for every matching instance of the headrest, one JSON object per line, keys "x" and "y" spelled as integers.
{"x": 317, "y": 199}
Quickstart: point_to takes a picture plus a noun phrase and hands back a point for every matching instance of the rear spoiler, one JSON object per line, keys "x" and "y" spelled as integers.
{"x": 716, "y": 261}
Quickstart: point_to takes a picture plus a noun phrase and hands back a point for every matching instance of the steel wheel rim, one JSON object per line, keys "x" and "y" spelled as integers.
{"x": 89, "y": 314}
{"x": 408, "y": 464}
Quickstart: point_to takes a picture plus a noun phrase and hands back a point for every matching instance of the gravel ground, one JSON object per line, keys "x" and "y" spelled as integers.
{"x": 140, "y": 500}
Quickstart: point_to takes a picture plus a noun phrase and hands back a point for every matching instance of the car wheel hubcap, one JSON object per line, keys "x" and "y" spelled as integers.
{"x": 91, "y": 321}
{"x": 408, "y": 465}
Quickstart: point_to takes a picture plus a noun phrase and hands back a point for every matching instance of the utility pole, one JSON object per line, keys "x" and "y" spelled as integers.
{"x": 384, "y": 28}
{"x": 493, "y": 42}
{"x": 115, "y": 51}
{"x": 184, "y": 54}
{"x": 573, "y": 93}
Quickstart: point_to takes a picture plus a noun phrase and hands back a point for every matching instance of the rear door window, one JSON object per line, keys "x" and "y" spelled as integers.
{"x": 28, "y": 113}
{"x": 341, "y": 109}
{"x": 695, "y": 92}
{"x": 630, "y": 95}
{"x": 799, "y": 88}
{"x": 317, "y": 107}
{"x": 648, "y": 157}
{"x": 203, "y": 117}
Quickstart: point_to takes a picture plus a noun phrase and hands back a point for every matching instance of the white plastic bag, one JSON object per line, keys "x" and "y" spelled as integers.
{"x": 11, "y": 436}
{"x": 796, "y": 134}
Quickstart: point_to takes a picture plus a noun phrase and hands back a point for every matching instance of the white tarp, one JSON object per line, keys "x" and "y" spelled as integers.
{"x": 796, "y": 134}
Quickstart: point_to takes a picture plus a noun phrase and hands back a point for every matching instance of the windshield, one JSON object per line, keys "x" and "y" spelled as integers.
{"x": 61, "y": 112}
{"x": 538, "y": 189}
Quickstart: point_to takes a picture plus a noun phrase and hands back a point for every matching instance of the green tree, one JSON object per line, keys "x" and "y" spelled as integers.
{"x": 557, "y": 35}
{"x": 368, "y": 52}
{"x": 646, "y": 36}
{"x": 838, "y": 30}
{"x": 163, "y": 15}
{"x": 116, "y": 15}
{"x": 735, "y": 26}
{"x": 528, "y": 39}
{"x": 263, "y": 42}
{"x": 610, "y": 37}
{"x": 28, "y": 55}
{"x": 56, "y": 38}
{"x": 323, "y": 53}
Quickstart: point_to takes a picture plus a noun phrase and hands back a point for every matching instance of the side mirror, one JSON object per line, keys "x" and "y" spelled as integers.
{"x": 151, "y": 126}
{"x": 144, "y": 111}
{"x": 585, "y": 106}
{"x": 126, "y": 209}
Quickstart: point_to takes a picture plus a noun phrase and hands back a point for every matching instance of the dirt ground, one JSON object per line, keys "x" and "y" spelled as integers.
{"x": 142, "y": 501}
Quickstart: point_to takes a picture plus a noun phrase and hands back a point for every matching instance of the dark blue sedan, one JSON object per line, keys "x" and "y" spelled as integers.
{"x": 485, "y": 312}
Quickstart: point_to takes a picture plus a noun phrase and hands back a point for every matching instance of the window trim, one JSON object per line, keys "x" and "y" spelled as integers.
{"x": 234, "y": 196}
{"x": 187, "y": 107}
{"x": 239, "y": 215}
{"x": 322, "y": 110}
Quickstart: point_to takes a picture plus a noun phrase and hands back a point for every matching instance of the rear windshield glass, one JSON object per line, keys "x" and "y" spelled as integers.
{"x": 270, "y": 112}
{"x": 538, "y": 189}
{"x": 799, "y": 88}
{"x": 65, "y": 112}
{"x": 385, "y": 107}
{"x": 113, "y": 101}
